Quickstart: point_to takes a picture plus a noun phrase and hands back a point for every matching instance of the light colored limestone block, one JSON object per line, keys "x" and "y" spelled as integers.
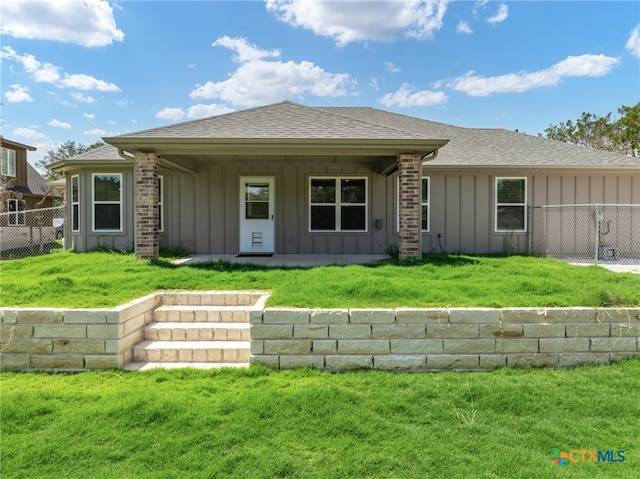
{"x": 257, "y": 346}
{"x": 625, "y": 329}
{"x": 493, "y": 361}
{"x": 62, "y": 331}
{"x": 520, "y": 345}
{"x": 601, "y": 345}
{"x": 39, "y": 315}
{"x": 10, "y": 362}
{"x": 85, "y": 316}
{"x": 501, "y": 330}
{"x": 291, "y": 346}
{"x": 112, "y": 346}
{"x": 268, "y": 361}
{"x": 347, "y": 362}
{"x": 469, "y": 346}
{"x": 588, "y": 330}
{"x": 568, "y": 360}
{"x": 422, "y": 316}
{"x": 78, "y": 346}
{"x": 563, "y": 345}
{"x": 350, "y": 331}
{"x": 474, "y": 316}
{"x": 104, "y": 331}
{"x": 286, "y": 316}
{"x": 100, "y": 362}
{"x": 614, "y": 315}
{"x": 325, "y": 346}
{"x": 416, "y": 346}
{"x": 570, "y": 315}
{"x": 26, "y": 346}
{"x": 522, "y": 315}
{"x": 538, "y": 360}
{"x": 453, "y": 331}
{"x": 8, "y": 315}
{"x": 290, "y": 362}
{"x": 544, "y": 330}
{"x": 398, "y": 331}
{"x": 371, "y": 316}
{"x": 453, "y": 361}
{"x": 272, "y": 331}
{"x": 57, "y": 361}
{"x": 400, "y": 362}
{"x": 363, "y": 346}
{"x": 329, "y": 316}
{"x": 10, "y": 331}
{"x": 310, "y": 331}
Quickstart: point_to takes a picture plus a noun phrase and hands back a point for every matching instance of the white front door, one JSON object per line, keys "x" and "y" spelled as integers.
{"x": 257, "y": 230}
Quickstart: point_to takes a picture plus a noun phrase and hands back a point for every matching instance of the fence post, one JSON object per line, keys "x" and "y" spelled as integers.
{"x": 596, "y": 215}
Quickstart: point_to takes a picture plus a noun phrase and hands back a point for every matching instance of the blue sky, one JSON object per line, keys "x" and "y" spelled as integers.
{"x": 83, "y": 69}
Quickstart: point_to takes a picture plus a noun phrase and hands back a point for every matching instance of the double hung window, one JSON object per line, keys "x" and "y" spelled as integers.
{"x": 107, "y": 202}
{"x": 338, "y": 204}
{"x": 511, "y": 205}
{"x": 8, "y": 166}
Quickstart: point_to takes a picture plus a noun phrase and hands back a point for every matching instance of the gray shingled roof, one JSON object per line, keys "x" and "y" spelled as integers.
{"x": 493, "y": 147}
{"x": 468, "y": 147}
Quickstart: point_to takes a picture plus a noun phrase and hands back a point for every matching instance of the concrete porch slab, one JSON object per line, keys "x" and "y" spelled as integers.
{"x": 290, "y": 260}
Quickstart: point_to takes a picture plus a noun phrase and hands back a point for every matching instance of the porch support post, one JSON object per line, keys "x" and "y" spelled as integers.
{"x": 147, "y": 240}
{"x": 410, "y": 167}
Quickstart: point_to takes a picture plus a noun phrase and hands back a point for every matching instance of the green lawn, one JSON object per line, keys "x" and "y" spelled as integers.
{"x": 258, "y": 423}
{"x": 99, "y": 279}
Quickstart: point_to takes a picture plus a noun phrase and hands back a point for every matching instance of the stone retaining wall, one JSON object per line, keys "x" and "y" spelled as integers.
{"x": 439, "y": 339}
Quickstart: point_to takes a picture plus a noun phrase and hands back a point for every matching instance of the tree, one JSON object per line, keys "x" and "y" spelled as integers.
{"x": 69, "y": 149}
{"x": 601, "y": 132}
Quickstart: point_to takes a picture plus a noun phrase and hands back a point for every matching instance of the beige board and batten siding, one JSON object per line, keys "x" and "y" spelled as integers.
{"x": 462, "y": 205}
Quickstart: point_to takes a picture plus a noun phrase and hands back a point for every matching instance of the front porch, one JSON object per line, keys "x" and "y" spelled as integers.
{"x": 286, "y": 260}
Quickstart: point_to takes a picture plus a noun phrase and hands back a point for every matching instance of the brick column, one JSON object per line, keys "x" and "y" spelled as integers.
{"x": 410, "y": 167}
{"x": 147, "y": 241}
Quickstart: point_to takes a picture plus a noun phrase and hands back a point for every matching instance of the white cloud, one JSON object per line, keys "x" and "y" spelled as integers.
{"x": 258, "y": 81}
{"x": 171, "y": 114}
{"x": 29, "y": 133}
{"x": 80, "y": 97}
{"x": 352, "y": 21}
{"x": 59, "y": 124}
{"x": 17, "y": 94}
{"x": 578, "y": 66}
{"x": 406, "y": 96}
{"x": 89, "y": 23}
{"x": 463, "y": 27}
{"x": 390, "y": 66}
{"x": 49, "y": 73}
{"x": 202, "y": 111}
{"x": 87, "y": 82}
{"x": 501, "y": 15}
{"x": 91, "y": 116}
{"x": 96, "y": 132}
{"x": 633, "y": 44}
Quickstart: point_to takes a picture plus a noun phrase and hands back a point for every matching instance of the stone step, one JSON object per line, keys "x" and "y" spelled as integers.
{"x": 192, "y": 351}
{"x": 204, "y": 314}
{"x": 197, "y": 331}
{"x": 143, "y": 366}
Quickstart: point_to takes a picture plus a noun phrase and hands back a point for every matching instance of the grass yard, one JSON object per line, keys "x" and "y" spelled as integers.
{"x": 99, "y": 279}
{"x": 258, "y": 423}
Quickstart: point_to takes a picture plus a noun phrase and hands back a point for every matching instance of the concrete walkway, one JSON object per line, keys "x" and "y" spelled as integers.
{"x": 291, "y": 260}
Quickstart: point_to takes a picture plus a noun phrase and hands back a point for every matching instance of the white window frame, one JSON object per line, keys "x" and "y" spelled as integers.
{"x": 423, "y": 204}
{"x": 338, "y": 203}
{"x": 160, "y": 203}
{"x": 497, "y": 205}
{"x": 75, "y": 203}
{"x": 8, "y": 164}
{"x": 16, "y": 216}
{"x": 94, "y": 203}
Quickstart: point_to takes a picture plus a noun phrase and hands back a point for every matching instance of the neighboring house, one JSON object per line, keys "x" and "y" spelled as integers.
{"x": 292, "y": 179}
{"x": 23, "y": 188}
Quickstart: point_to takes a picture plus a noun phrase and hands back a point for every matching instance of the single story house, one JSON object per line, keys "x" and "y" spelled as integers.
{"x": 292, "y": 179}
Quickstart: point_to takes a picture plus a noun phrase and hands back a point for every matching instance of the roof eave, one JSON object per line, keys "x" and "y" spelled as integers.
{"x": 275, "y": 146}
{"x": 62, "y": 166}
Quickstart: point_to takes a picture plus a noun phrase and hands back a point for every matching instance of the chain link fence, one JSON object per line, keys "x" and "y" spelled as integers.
{"x": 599, "y": 233}
{"x": 31, "y": 232}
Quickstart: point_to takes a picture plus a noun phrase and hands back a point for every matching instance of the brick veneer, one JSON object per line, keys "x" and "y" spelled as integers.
{"x": 147, "y": 241}
{"x": 410, "y": 207}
